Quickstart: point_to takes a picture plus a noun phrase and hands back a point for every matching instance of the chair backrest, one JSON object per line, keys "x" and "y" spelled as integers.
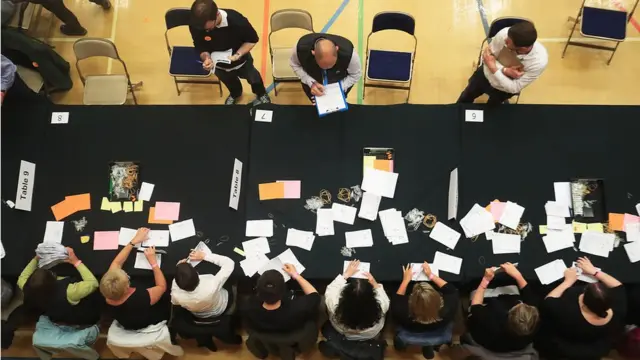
{"x": 291, "y": 18}
{"x": 177, "y": 17}
{"x": 504, "y": 22}
{"x": 90, "y": 47}
{"x": 393, "y": 20}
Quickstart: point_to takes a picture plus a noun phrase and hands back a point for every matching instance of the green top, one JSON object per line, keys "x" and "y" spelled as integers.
{"x": 76, "y": 291}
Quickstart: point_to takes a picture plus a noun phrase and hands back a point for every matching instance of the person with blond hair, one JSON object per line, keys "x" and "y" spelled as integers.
{"x": 133, "y": 307}
{"x": 425, "y": 309}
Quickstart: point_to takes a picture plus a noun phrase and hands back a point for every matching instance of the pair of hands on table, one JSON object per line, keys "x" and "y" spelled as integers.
{"x": 407, "y": 272}
{"x": 207, "y": 64}
{"x": 508, "y": 268}
{"x": 353, "y": 269}
{"x": 571, "y": 275}
{"x": 514, "y": 72}
{"x": 141, "y": 235}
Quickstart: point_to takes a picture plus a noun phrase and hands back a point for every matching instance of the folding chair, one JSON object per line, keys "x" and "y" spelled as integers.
{"x": 286, "y": 19}
{"x": 495, "y": 27}
{"x": 391, "y": 66}
{"x": 604, "y": 24}
{"x": 184, "y": 60}
{"x": 103, "y": 89}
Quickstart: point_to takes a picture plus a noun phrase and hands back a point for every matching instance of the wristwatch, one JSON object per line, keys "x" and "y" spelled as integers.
{"x": 239, "y": 55}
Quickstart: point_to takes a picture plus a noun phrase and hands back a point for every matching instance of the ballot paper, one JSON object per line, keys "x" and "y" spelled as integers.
{"x": 301, "y": 239}
{"x": 362, "y": 238}
{"x": 506, "y": 243}
{"x": 595, "y": 243}
{"x": 556, "y": 222}
{"x": 477, "y": 221}
{"x": 324, "y": 222}
{"x": 445, "y": 235}
{"x": 511, "y": 215}
{"x": 363, "y": 268}
{"x": 126, "y": 235}
{"x": 563, "y": 193}
{"x": 558, "y": 240}
{"x": 633, "y": 232}
{"x": 253, "y": 263}
{"x": 554, "y": 208}
{"x": 182, "y": 230}
{"x": 160, "y": 238}
{"x": 277, "y": 265}
{"x": 582, "y": 276}
{"x": 633, "y": 251}
{"x": 551, "y": 272}
{"x": 256, "y": 246}
{"x": 332, "y": 100}
{"x": 143, "y": 263}
{"x": 287, "y": 257}
{"x": 344, "y": 214}
{"x": 221, "y": 56}
{"x": 145, "y": 191}
{"x": 259, "y": 228}
{"x": 393, "y": 226}
{"x": 418, "y": 273}
{"x": 379, "y": 182}
{"x": 53, "y": 232}
{"x": 448, "y": 263}
{"x": 638, "y": 209}
{"x": 200, "y": 247}
{"x": 369, "y": 206}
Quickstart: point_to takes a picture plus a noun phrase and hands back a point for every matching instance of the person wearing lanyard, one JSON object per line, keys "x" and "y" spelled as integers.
{"x": 322, "y": 59}
{"x": 218, "y": 30}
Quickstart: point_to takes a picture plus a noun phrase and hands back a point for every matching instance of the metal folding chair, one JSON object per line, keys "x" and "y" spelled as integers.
{"x": 390, "y": 66}
{"x": 495, "y": 27}
{"x": 184, "y": 61}
{"x": 104, "y": 89}
{"x": 286, "y": 19}
{"x": 604, "y": 24}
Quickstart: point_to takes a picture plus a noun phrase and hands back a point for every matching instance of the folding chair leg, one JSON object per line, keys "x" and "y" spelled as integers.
{"x": 135, "y": 100}
{"x": 613, "y": 53}
{"x": 575, "y": 23}
{"x": 275, "y": 87}
{"x": 220, "y": 87}
{"x": 364, "y": 88}
{"x": 175, "y": 81}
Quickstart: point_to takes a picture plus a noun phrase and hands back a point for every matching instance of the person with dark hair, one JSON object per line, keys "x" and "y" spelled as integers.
{"x": 218, "y": 30}
{"x": 356, "y": 307}
{"x": 61, "y": 299}
{"x": 270, "y": 311}
{"x": 502, "y": 81}
{"x": 202, "y": 294}
{"x": 71, "y": 25}
{"x": 320, "y": 59}
{"x": 582, "y": 322}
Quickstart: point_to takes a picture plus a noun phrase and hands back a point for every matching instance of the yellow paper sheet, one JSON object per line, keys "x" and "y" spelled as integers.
{"x": 128, "y": 206}
{"x": 116, "y": 206}
{"x": 579, "y": 228}
{"x": 367, "y": 162}
{"x": 595, "y": 227}
{"x": 269, "y": 191}
{"x": 238, "y": 251}
{"x": 106, "y": 204}
{"x": 84, "y": 239}
{"x": 543, "y": 229}
{"x": 138, "y": 206}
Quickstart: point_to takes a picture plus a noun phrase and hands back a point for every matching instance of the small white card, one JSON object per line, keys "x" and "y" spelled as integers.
{"x": 53, "y": 232}
{"x": 160, "y": 238}
{"x": 344, "y": 214}
{"x": 182, "y": 230}
{"x": 145, "y": 191}
{"x": 301, "y": 239}
{"x": 473, "y": 116}
{"x": 448, "y": 263}
{"x": 264, "y": 115}
{"x": 378, "y": 182}
{"x": 551, "y": 272}
{"x": 505, "y": 243}
{"x": 369, "y": 206}
{"x": 511, "y": 215}
{"x": 362, "y": 238}
{"x": 259, "y": 228}
{"x": 554, "y": 208}
{"x": 256, "y": 246}
{"x": 126, "y": 235}
{"x": 59, "y": 117}
{"x": 445, "y": 235}
{"x": 363, "y": 268}
{"x": 143, "y": 263}
{"x": 253, "y": 263}
{"x": 633, "y": 251}
{"x": 556, "y": 222}
{"x": 324, "y": 222}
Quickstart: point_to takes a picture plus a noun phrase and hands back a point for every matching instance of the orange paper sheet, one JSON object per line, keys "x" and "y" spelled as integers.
{"x": 152, "y": 218}
{"x": 384, "y": 165}
{"x": 269, "y": 191}
{"x": 63, "y": 209}
{"x": 616, "y": 222}
{"x": 80, "y": 202}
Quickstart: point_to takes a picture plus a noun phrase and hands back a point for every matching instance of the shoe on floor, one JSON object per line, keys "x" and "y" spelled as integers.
{"x": 69, "y": 31}
{"x": 231, "y": 100}
{"x": 106, "y": 4}
{"x": 264, "y": 99}
{"x": 428, "y": 353}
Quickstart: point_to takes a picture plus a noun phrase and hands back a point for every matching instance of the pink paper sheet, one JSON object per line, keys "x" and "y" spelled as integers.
{"x": 105, "y": 240}
{"x": 167, "y": 210}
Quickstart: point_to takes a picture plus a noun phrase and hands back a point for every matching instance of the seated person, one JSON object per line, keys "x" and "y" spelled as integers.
{"x": 132, "y": 307}
{"x": 506, "y": 323}
{"x": 203, "y": 294}
{"x": 61, "y": 299}
{"x": 425, "y": 309}
{"x": 582, "y": 322}
{"x": 356, "y": 306}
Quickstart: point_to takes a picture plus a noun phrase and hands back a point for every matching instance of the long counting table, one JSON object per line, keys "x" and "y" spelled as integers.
{"x": 188, "y": 153}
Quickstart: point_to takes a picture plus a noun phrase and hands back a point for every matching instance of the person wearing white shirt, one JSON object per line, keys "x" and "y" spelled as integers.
{"x": 502, "y": 82}
{"x": 202, "y": 294}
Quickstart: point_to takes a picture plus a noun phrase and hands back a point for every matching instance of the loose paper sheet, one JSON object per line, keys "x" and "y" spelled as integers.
{"x": 554, "y": 208}
{"x": 506, "y": 243}
{"x": 630, "y": 219}
{"x": 369, "y": 206}
{"x": 127, "y": 206}
{"x": 616, "y": 221}
{"x": 556, "y": 222}
{"x": 558, "y": 240}
{"x": 53, "y": 232}
{"x": 324, "y": 222}
{"x": 116, "y": 206}
{"x": 126, "y": 235}
{"x": 257, "y": 228}
{"x": 363, "y": 268}
{"x": 256, "y": 246}
{"x": 301, "y": 239}
{"x": 633, "y": 232}
{"x": 418, "y": 273}
{"x": 200, "y": 247}
{"x": 563, "y": 193}
{"x": 497, "y": 208}
{"x": 362, "y": 238}
{"x": 143, "y": 263}
{"x": 344, "y": 214}
{"x": 551, "y": 272}
{"x": 270, "y": 191}
{"x": 105, "y": 205}
{"x": 448, "y": 263}
{"x": 105, "y": 240}
{"x": 167, "y": 210}
{"x": 511, "y": 215}
{"x": 63, "y": 209}
{"x": 393, "y": 226}
{"x": 597, "y": 243}
{"x": 332, "y": 100}
{"x": 445, "y": 235}
{"x": 153, "y": 220}
{"x": 138, "y": 206}
{"x": 277, "y": 265}
{"x": 182, "y": 230}
{"x": 382, "y": 183}
{"x": 159, "y": 238}
{"x": 146, "y": 190}
{"x": 477, "y": 221}
{"x": 597, "y": 227}
{"x": 80, "y": 202}
{"x": 633, "y": 251}
{"x": 291, "y": 188}
{"x": 253, "y": 263}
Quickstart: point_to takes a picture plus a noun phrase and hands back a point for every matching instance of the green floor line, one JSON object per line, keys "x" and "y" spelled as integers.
{"x": 361, "y": 48}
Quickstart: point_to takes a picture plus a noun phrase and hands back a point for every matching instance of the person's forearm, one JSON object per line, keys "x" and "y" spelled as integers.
{"x": 354, "y": 71}
{"x": 608, "y": 280}
{"x": 294, "y": 62}
{"x": 121, "y": 257}
{"x": 520, "y": 281}
{"x": 158, "y": 277}
{"x": 403, "y": 288}
{"x": 245, "y": 48}
{"x": 307, "y": 288}
{"x": 226, "y": 268}
{"x": 26, "y": 273}
{"x": 204, "y": 56}
{"x": 438, "y": 281}
{"x": 559, "y": 290}
{"x": 478, "y": 296}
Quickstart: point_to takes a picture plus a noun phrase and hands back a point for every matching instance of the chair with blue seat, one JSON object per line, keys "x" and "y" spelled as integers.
{"x": 429, "y": 339}
{"x": 603, "y": 24}
{"x": 383, "y": 66}
{"x": 185, "y": 65}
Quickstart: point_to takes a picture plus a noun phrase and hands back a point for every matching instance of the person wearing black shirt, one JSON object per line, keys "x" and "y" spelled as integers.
{"x": 506, "y": 323}
{"x": 582, "y": 322}
{"x": 425, "y": 309}
{"x": 218, "y": 30}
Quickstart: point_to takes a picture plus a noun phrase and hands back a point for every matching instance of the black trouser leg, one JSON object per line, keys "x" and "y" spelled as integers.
{"x": 307, "y": 91}
{"x": 231, "y": 80}
{"x": 57, "y": 8}
{"x": 478, "y": 85}
{"x": 252, "y": 75}
{"x": 497, "y": 97}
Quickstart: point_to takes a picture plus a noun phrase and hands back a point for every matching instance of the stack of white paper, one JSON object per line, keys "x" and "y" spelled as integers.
{"x": 511, "y": 215}
{"x": 143, "y": 263}
{"x": 558, "y": 240}
{"x": 633, "y": 231}
{"x": 477, "y": 221}
{"x": 182, "y": 230}
{"x": 448, "y": 263}
{"x": 633, "y": 251}
{"x": 53, "y": 232}
{"x": 378, "y": 182}
{"x": 393, "y": 226}
{"x": 301, "y": 239}
{"x": 554, "y": 208}
{"x": 506, "y": 243}
{"x": 596, "y": 243}
{"x": 445, "y": 235}
{"x": 556, "y": 222}
{"x": 344, "y": 214}
{"x": 362, "y": 238}
{"x": 200, "y": 247}
{"x": 253, "y": 262}
{"x": 332, "y": 100}
{"x": 582, "y": 276}
{"x": 418, "y": 273}
{"x": 256, "y": 246}
{"x": 324, "y": 222}
{"x": 551, "y": 272}
{"x": 369, "y": 206}
{"x": 126, "y": 235}
{"x": 159, "y": 238}
{"x": 363, "y": 268}
{"x": 259, "y": 228}
{"x": 563, "y": 193}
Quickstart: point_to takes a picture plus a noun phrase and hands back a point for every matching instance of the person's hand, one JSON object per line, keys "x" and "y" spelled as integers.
{"x": 141, "y": 235}
{"x": 513, "y": 72}
{"x": 352, "y": 269}
{"x": 234, "y": 57}
{"x": 487, "y": 57}
{"x": 426, "y": 268}
{"x": 570, "y": 275}
{"x": 207, "y": 64}
{"x": 317, "y": 89}
{"x": 372, "y": 280}
{"x": 290, "y": 269}
{"x": 587, "y": 267}
{"x": 182, "y": 261}
{"x": 407, "y": 273}
{"x": 511, "y": 270}
{"x": 150, "y": 254}
{"x": 489, "y": 274}
{"x": 197, "y": 255}
{"x": 72, "y": 259}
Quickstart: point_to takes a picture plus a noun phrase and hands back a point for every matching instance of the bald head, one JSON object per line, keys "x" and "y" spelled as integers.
{"x": 326, "y": 53}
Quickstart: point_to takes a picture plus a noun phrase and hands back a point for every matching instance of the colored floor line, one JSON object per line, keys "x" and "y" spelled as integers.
{"x": 361, "y": 48}
{"x": 265, "y": 38}
{"x": 325, "y": 28}
{"x": 633, "y": 21}
{"x": 483, "y": 17}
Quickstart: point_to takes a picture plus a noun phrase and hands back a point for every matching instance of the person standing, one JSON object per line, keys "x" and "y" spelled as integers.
{"x": 321, "y": 59}
{"x": 71, "y": 25}
{"x": 213, "y": 30}
{"x": 502, "y": 82}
